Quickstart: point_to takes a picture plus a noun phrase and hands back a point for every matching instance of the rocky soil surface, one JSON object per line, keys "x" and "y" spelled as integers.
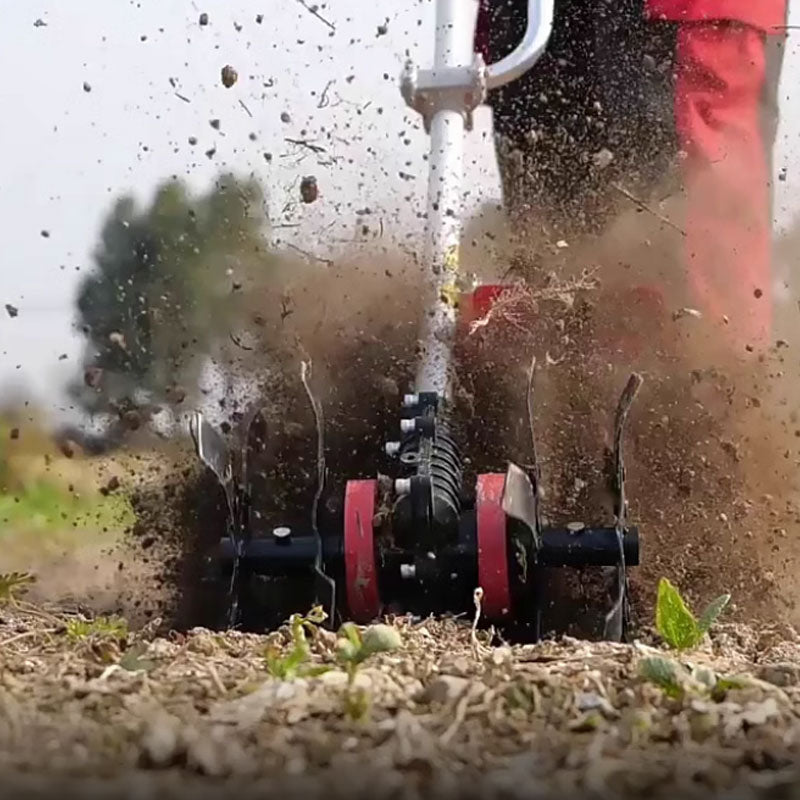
{"x": 94, "y": 710}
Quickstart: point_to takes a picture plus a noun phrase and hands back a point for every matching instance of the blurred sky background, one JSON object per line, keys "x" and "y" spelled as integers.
{"x": 68, "y": 153}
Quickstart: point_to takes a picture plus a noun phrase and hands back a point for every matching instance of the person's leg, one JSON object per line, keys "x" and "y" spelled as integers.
{"x": 721, "y": 83}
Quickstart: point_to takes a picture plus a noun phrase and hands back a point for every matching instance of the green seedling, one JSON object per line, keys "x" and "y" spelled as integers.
{"x": 352, "y": 649}
{"x": 676, "y": 624}
{"x": 103, "y": 627}
{"x": 14, "y": 585}
{"x": 677, "y": 681}
{"x": 295, "y": 663}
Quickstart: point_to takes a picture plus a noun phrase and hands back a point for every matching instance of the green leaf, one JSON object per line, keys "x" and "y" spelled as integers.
{"x": 380, "y": 639}
{"x": 346, "y": 651}
{"x": 351, "y": 633}
{"x": 664, "y": 673}
{"x": 674, "y": 621}
{"x": 712, "y": 613}
{"x": 133, "y": 659}
{"x": 729, "y": 683}
{"x": 313, "y": 671}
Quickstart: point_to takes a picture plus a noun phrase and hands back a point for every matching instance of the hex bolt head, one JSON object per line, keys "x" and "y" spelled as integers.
{"x": 408, "y": 425}
{"x": 392, "y": 448}
{"x": 410, "y": 400}
{"x": 281, "y": 533}
{"x": 402, "y": 486}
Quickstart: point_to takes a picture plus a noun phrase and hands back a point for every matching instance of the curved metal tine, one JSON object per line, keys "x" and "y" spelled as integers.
{"x": 615, "y": 619}
{"x": 519, "y": 501}
{"x": 325, "y": 593}
{"x": 535, "y": 474}
{"x": 211, "y": 449}
{"x": 623, "y": 408}
{"x": 214, "y": 453}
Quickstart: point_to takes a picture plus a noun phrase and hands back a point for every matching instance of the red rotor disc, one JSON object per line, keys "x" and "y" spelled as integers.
{"x": 478, "y": 302}
{"x": 493, "y": 575}
{"x": 361, "y": 575}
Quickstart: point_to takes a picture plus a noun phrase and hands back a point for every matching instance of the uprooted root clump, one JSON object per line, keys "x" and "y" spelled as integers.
{"x": 447, "y": 714}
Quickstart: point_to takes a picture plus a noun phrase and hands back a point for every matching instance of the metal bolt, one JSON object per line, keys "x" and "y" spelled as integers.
{"x": 281, "y": 533}
{"x": 410, "y": 400}
{"x": 392, "y": 448}
{"x": 408, "y": 572}
{"x": 402, "y": 486}
{"x": 408, "y": 425}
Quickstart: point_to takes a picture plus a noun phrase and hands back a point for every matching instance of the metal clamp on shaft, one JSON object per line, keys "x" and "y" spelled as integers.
{"x": 459, "y": 89}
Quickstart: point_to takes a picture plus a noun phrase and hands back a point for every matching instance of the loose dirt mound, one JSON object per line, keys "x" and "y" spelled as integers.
{"x": 94, "y": 715}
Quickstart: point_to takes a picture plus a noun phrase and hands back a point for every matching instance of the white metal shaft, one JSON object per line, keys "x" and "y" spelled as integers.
{"x": 455, "y": 26}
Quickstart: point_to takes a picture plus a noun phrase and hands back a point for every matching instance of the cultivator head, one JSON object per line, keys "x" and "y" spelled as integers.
{"x": 416, "y": 539}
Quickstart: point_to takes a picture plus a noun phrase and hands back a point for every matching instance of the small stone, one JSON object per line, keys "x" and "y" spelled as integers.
{"x": 783, "y": 675}
{"x": 132, "y": 420}
{"x": 161, "y": 742}
{"x": 285, "y": 117}
{"x": 12, "y": 311}
{"x": 111, "y": 486}
{"x": 92, "y": 376}
{"x": 203, "y": 19}
{"x": 703, "y": 724}
{"x": 686, "y": 312}
{"x": 87, "y": 87}
{"x": 444, "y": 689}
{"x": 229, "y": 76}
{"x": 13, "y": 433}
{"x": 308, "y": 189}
{"x": 603, "y": 158}
{"x": 67, "y": 448}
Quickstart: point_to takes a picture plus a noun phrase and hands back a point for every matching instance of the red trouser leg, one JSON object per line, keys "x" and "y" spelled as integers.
{"x": 721, "y": 73}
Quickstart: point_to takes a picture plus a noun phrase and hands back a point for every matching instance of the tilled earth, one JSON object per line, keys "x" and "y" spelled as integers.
{"x": 198, "y": 714}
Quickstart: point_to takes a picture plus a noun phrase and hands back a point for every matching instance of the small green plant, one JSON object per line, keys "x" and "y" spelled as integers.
{"x": 14, "y": 585}
{"x": 677, "y": 681}
{"x": 295, "y": 663}
{"x": 104, "y": 627}
{"x": 676, "y": 624}
{"x": 352, "y": 650}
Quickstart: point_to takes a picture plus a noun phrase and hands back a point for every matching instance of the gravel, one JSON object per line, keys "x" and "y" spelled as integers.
{"x": 199, "y": 715}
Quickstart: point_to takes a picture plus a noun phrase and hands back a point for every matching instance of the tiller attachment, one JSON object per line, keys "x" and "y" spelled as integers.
{"x": 416, "y": 539}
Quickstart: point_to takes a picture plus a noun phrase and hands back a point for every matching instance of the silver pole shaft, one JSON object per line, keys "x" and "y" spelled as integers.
{"x": 455, "y": 25}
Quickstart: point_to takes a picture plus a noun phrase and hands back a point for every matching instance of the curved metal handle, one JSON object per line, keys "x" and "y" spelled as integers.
{"x": 528, "y": 51}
